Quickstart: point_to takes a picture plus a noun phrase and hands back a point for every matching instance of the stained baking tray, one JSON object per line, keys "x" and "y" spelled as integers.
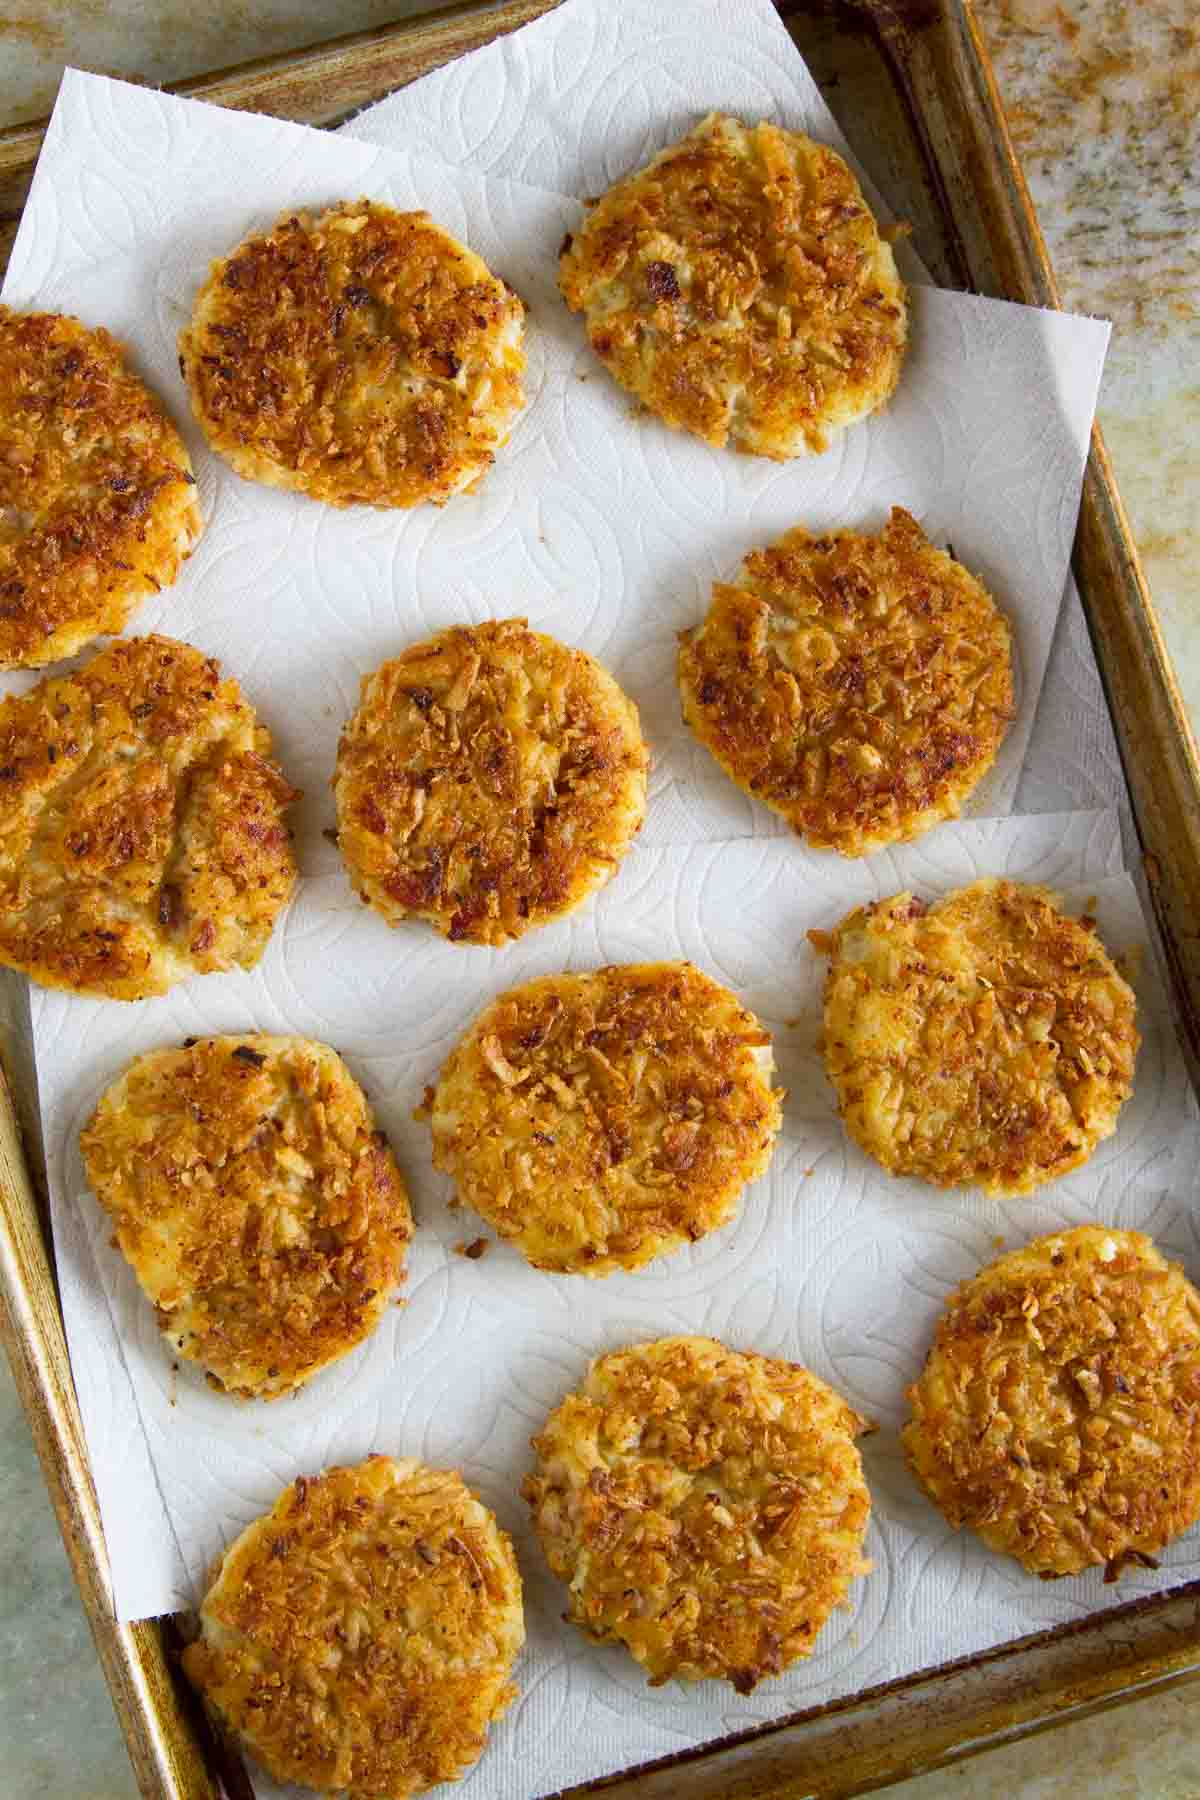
{"x": 911, "y": 82}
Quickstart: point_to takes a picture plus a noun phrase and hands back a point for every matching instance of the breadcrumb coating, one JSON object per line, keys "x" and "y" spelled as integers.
{"x": 858, "y": 685}
{"x": 361, "y": 356}
{"x": 491, "y": 780}
{"x": 597, "y": 1121}
{"x": 258, "y": 1206}
{"x": 739, "y": 287}
{"x": 1058, "y": 1412}
{"x": 359, "y": 1638}
{"x": 143, "y": 825}
{"x": 986, "y": 1040}
{"x": 705, "y": 1507}
{"x": 97, "y": 496}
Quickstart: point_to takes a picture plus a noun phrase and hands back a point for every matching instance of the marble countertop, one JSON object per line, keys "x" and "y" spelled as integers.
{"x": 1104, "y": 101}
{"x": 1103, "y": 98}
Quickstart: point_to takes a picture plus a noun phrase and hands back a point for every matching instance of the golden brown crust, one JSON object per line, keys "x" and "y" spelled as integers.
{"x": 1058, "y": 1412}
{"x": 860, "y": 686}
{"x": 599, "y": 1120}
{"x": 738, "y": 285}
{"x": 143, "y": 833}
{"x": 987, "y": 1039}
{"x": 361, "y": 356}
{"x": 97, "y": 496}
{"x": 360, "y": 1636}
{"x": 491, "y": 780}
{"x": 706, "y": 1508}
{"x": 261, "y": 1211}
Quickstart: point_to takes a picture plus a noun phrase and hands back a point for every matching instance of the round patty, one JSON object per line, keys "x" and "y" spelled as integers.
{"x": 97, "y": 497}
{"x": 360, "y": 1636}
{"x": 364, "y": 355}
{"x": 491, "y": 780}
{"x": 600, "y": 1120}
{"x": 706, "y": 1508}
{"x": 1058, "y": 1412}
{"x": 860, "y": 686}
{"x": 739, "y": 287}
{"x": 143, "y": 830}
{"x": 986, "y": 1040}
{"x": 256, "y": 1203}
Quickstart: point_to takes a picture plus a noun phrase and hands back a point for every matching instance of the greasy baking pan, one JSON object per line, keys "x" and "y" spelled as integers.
{"x": 912, "y": 83}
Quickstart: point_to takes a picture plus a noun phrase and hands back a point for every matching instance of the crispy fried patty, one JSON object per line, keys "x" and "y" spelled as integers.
{"x": 1058, "y": 1412}
{"x": 600, "y": 1120}
{"x": 706, "y": 1508}
{"x": 97, "y": 497}
{"x": 143, "y": 825}
{"x": 858, "y": 685}
{"x": 739, "y": 287}
{"x": 257, "y": 1204}
{"x": 364, "y": 355}
{"x": 987, "y": 1039}
{"x": 491, "y": 780}
{"x": 359, "y": 1638}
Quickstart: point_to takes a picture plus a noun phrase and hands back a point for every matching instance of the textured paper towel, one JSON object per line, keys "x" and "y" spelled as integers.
{"x": 608, "y": 534}
{"x": 829, "y": 1263}
{"x": 606, "y": 531}
{"x": 580, "y": 97}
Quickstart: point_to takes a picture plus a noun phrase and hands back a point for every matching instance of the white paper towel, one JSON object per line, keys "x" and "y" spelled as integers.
{"x": 582, "y": 96}
{"x": 604, "y": 529}
{"x": 829, "y": 1263}
{"x": 590, "y": 91}
{"x": 608, "y": 534}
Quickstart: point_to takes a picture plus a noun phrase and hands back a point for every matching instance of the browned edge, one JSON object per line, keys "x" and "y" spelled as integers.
{"x": 173, "y": 1753}
{"x": 942, "y": 67}
{"x": 163, "y": 1747}
{"x": 1154, "y": 735}
{"x": 910, "y": 1726}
